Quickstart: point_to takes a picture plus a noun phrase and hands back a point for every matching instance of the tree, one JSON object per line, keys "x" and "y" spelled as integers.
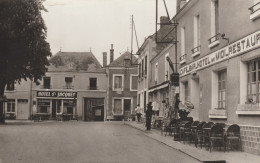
{"x": 24, "y": 50}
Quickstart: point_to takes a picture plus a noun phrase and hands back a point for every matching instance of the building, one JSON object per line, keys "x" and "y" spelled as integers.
{"x": 219, "y": 54}
{"x": 122, "y": 75}
{"x": 74, "y": 87}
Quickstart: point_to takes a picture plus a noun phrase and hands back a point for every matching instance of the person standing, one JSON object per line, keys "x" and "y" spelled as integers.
{"x": 149, "y": 112}
{"x": 138, "y": 112}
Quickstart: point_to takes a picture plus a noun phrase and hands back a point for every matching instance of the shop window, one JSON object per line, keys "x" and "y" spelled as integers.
{"x": 93, "y": 83}
{"x": 222, "y": 78}
{"x": 10, "y": 86}
{"x": 118, "y": 107}
{"x": 118, "y": 83}
{"x": 68, "y": 83}
{"x": 68, "y": 106}
{"x": 43, "y": 106}
{"x": 255, "y": 10}
{"x": 46, "y": 82}
{"x": 10, "y": 106}
{"x": 133, "y": 82}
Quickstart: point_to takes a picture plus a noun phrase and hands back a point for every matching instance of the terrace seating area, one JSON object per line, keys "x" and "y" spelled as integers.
{"x": 209, "y": 135}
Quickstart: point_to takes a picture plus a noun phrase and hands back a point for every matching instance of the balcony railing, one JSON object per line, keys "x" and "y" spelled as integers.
{"x": 196, "y": 51}
{"x": 68, "y": 87}
{"x": 183, "y": 58}
{"x": 255, "y": 8}
{"x": 45, "y": 86}
{"x": 214, "y": 38}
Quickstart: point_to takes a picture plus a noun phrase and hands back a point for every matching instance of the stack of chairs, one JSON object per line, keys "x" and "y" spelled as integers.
{"x": 233, "y": 139}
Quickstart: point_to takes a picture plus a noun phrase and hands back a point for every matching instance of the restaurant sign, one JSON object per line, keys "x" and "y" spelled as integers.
{"x": 58, "y": 94}
{"x": 241, "y": 46}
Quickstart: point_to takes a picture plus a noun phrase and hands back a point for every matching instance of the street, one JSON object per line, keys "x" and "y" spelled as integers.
{"x": 79, "y": 142}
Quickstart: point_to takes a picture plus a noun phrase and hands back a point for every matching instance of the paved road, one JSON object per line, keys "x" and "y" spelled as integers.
{"x": 82, "y": 142}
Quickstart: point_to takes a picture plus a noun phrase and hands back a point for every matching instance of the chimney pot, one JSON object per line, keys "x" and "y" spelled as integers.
{"x": 104, "y": 59}
{"x": 111, "y": 54}
{"x": 163, "y": 21}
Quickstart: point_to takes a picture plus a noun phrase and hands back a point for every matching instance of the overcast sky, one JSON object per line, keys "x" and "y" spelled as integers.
{"x": 78, "y": 25}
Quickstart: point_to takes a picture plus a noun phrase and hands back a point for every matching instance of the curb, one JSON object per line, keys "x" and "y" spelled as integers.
{"x": 178, "y": 149}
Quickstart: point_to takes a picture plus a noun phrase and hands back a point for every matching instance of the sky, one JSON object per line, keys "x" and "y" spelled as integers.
{"x": 84, "y": 25}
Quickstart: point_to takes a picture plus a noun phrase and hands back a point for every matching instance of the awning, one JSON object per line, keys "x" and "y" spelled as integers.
{"x": 158, "y": 87}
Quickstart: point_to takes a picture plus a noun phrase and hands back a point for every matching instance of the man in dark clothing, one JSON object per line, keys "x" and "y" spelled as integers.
{"x": 149, "y": 116}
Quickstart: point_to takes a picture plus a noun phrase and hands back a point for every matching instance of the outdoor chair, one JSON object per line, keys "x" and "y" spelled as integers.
{"x": 233, "y": 137}
{"x": 216, "y": 137}
{"x": 205, "y": 134}
{"x": 193, "y": 130}
{"x": 199, "y": 134}
{"x": 186, "y": 132}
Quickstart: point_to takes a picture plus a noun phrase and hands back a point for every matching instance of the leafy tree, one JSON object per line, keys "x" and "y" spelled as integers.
{"x": 23, "y": 46}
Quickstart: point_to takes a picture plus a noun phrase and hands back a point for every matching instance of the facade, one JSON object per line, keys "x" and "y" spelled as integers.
{"x": 74, "y": 87}
{"x": 122, "y": 78}
{"x": 219, "y": 56}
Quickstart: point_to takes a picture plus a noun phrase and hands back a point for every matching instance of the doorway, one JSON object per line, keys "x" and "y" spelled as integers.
{"x": 127, "y": 108}
{"x": 94, "y": 109}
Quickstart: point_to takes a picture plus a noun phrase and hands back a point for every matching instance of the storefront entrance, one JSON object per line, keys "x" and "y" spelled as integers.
{"x": 22, "y": 109}
{"x": 93, "y": 109}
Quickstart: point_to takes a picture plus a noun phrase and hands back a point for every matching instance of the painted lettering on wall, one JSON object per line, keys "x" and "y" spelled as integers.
{"x": 241, "y": 46}
{"x": 59, "y": 94}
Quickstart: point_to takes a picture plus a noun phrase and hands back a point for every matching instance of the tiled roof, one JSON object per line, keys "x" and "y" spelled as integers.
{"x": 74, "y": 61}
{"x": 119, "y": 62}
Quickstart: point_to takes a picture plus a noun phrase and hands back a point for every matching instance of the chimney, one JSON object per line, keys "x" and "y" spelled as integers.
{"x": 180, "y": 4}
{"x": 104, "y": 59}
{"x": 111, "y": 54}
{"x": 163, "y": 21}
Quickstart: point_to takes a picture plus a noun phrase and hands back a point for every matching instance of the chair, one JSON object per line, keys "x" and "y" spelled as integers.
{"x": 206, "y": 133}
{"x": 187, "y": 134}
{"x": 216, "y": 137}
{"x": 233, "y": 137}
{"x": 199, "y": 134}
{"x": 193, "y": 130}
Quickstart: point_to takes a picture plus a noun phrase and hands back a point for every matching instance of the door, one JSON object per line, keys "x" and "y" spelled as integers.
{"x": 93, "y": 109}
{"x": 127, "y": 108}
{"x": 22, "y": 109}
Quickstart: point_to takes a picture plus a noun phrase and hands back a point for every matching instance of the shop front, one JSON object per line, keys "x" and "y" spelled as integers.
{"x": 59, "y": 105}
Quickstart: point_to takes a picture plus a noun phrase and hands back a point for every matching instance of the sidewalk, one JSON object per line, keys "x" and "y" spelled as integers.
{"x": 200, "y": 154}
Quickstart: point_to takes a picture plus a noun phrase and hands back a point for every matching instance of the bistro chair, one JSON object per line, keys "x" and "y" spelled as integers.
{"x": 233, "y": 137}
{"x": 199, "y": 134}
{"x": 187, "y": 134}
{"x": 193, "y": 130}
{"x": 206, "y": 133}
{"x": 216, "y": 137}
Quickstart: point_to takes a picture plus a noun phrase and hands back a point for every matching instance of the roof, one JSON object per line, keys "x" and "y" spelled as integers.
{"x": 119, "y": 62}
{"x": 74, "y": 61}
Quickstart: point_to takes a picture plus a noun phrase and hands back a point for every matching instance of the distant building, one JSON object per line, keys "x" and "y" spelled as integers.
{"x": 73, "y": 87}
{"x": 122, "y": 76}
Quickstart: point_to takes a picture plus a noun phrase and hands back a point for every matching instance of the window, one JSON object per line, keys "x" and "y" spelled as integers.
{"x": 167, "y": 72}
{"x": 133, "y": 82}
{"x": 68, "y": 106}
{"x": 10, "y": 106}
{"x": 68, "y": 83}
{"x": 118, "y": 107}
{"x": 92, "y": 83}
{"x": 253, "y": 81}
{"x": 196, "y": 49}
{"x": 182, "y": 41}
{"x": 10, "y": 86}
{"x": 186, "y": 91}
{"x": 222, "y": 78}
{"x": 145, "y": 65}
{"x": 43, "y": 106}
{"x": 143, "y": 68}
{"x": 118, "y": 83}
{"x": 140, "y": 70}
{"x": 255, "y": 10}
{"x": 156, "y": 73}
{"x": 46, "y": 82}
{"x": 214, "y": 40}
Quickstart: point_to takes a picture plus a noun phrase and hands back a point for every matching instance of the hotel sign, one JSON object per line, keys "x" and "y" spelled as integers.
{"x": 58, "y": 94}
{"x": 239, "y": 47}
